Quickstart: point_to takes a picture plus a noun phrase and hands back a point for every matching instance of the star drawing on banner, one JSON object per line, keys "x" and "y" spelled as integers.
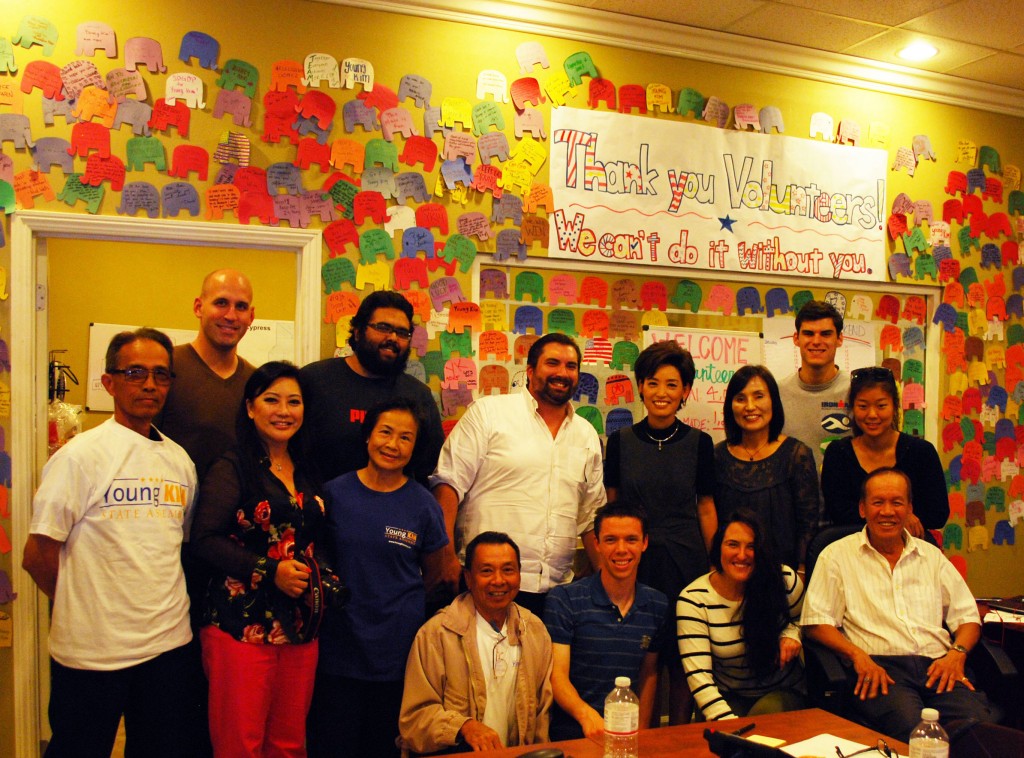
{"x": 726, "y": 223}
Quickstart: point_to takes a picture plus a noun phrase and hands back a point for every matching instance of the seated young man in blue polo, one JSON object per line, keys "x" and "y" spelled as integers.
{"x": 605, "y": 626}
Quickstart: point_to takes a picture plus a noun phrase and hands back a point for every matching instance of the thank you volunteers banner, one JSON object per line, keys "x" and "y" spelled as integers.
{"x": 637, "y": 190}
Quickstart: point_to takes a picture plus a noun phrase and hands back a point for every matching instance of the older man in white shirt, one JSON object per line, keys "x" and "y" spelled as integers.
{"x": 527, "y": 465}
{"x": 879, "y": 598}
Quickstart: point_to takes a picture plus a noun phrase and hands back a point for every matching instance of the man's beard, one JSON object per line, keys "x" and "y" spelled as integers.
{"x": 555, "y": 395}
{"x": 370, "y": 358}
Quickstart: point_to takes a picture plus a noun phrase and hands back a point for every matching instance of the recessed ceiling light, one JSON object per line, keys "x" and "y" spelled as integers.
{"x": 917, "y": 52}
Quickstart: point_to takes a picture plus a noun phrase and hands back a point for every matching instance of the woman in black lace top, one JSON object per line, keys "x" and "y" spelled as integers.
{"x": 760, "y": 468}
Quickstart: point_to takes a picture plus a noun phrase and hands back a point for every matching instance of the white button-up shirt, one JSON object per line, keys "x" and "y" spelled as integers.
{"x": 512, "y": 476}
{"x": 889, "y": 612}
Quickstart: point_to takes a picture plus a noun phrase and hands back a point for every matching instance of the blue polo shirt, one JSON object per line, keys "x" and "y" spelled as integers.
{"x": 603, "y": 643}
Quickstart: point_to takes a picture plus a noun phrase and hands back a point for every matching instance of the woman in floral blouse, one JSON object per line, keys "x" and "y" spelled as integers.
{"x": 259, "y": 507}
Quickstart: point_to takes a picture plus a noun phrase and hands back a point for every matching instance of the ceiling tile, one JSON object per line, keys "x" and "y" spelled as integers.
{"x": 704, "y": 15}
{"x": 968, "y": 33}
{"x": 1000, "y": 68}
{"x": 601, "y": 5}
{"x": 800, "y": 26}
{"x": 975, "y": 21}
{"x": 698, "y": 13}
{"x": 884, "y": 12}
{"x": 885, "y": 46}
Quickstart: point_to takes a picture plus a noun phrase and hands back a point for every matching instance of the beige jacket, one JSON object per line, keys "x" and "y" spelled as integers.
{"x": 444, "y": 684}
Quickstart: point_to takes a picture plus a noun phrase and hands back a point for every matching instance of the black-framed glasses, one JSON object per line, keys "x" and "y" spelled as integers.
{"x": 872, "y": 374}
{"x": 138, "y": 375}
{"x": 387, "y": 330}
{"x": 881, "y": 747}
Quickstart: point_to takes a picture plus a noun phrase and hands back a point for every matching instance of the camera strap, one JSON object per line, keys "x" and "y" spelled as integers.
{"x": 313, "y": 608}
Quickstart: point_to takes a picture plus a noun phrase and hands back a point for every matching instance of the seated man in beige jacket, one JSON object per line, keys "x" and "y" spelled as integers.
{"x": 479, "y": 672}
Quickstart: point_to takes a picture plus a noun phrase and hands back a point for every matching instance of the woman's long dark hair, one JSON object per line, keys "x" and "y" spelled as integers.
{"x": 765, "y": 605}
{"x": 252, "y": 452}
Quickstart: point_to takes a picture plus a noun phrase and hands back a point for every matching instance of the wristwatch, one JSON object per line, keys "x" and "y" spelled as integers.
{"x": 959, "y": 649}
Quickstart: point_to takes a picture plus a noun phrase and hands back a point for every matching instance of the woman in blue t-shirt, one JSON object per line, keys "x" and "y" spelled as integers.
{"x": 385, "y": 532}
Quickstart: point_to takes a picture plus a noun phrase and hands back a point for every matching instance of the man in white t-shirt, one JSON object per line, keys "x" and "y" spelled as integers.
{"x": 108, "y": 522}
{"x": 479, "y": 672}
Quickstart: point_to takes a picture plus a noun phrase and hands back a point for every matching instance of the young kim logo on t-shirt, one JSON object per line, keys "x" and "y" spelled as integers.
{"x": 148, "y": 492}
{"x": 402, "y": 537}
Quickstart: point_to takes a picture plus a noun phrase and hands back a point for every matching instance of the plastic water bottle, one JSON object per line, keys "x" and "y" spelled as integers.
{"x": 929, "y": 739}
{"x": 621, "y": 721}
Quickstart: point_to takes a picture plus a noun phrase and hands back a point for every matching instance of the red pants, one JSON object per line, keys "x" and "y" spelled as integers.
{"x": 259, "y": 696}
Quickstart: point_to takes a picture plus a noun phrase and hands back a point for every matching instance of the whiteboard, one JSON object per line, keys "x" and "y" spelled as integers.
{"x": 782, "y": 357}
{"x": 266, "y": 340}
{"x": 717, "y": 355}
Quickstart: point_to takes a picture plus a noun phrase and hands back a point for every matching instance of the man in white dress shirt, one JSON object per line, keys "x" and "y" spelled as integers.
{"x": 883, "y": 600}
{"x": 527, "y": 465}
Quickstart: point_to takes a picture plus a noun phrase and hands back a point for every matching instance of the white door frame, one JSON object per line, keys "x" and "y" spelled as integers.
{"x": 29, "y": 344}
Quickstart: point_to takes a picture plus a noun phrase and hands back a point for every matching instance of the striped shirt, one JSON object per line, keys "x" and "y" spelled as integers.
{"x": 710, "y": 634}
{"x": 889, "y": 612}
{"x": 603, "y": 643}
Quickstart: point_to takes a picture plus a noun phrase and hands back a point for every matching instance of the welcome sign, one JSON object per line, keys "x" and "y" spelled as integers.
{"x": 636, "y": 190}
{"x": 717, "y": 355}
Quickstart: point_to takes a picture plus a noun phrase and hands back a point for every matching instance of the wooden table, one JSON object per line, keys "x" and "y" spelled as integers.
{"x": 688, "y": 740}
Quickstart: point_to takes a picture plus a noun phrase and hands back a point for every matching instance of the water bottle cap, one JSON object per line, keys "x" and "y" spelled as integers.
{"x": 623, "y": 681}
{"x": 930, "y": 714}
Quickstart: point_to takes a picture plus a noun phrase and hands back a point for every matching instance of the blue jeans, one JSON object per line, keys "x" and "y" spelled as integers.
{"x": 897, "y": 713}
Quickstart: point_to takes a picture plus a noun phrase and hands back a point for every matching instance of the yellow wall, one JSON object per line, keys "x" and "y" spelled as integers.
{"x": 128, "y": 283}
{"x": 450, "y": 55}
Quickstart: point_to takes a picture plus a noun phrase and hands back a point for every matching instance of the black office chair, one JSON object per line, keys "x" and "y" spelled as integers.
{"x": 830, "y": 681}
{"x": 823, "y": 539}
{"x": 970, "y": 739}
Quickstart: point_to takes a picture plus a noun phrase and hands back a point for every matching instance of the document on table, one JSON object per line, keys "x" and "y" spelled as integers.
{"x": 1003, "y": 617}
{"x": 824, "y": 745}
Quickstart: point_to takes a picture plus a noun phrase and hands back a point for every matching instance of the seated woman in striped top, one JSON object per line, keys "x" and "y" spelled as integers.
{"x": 736, "y": 626}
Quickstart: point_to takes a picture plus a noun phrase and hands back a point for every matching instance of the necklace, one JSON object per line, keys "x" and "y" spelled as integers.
{"x": 663, "y": 440}
{"x": 755, "y": 452}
